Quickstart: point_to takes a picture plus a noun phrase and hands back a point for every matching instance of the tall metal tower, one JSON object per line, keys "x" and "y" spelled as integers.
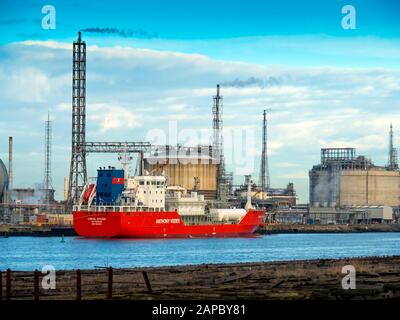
{"x": 78, "y": 173}
{"x": 264, "y": 171}
{"x": 218, "y": 142}
{"x": 392, "y": 165}
{"x": 47, "y": 181}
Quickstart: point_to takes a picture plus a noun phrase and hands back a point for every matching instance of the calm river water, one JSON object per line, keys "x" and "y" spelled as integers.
{"x": 28, "y": 253}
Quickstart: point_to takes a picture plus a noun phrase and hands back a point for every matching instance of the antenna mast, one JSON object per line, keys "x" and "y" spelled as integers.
{"x": 47, "y": 182}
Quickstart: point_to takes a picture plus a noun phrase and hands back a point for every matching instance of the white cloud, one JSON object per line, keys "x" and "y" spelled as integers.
{"x": 286, "y": 164}
{"x": 27, "y": 84}
{"x": 176, "y": 107}
{"x": 46, "y": 44}
{"x": 113, "y": 117}
{"x": 294, "y": 175}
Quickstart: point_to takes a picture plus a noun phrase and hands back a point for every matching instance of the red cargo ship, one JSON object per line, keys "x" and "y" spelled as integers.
{"x": 144, "y": 207}
{"x": 159, "y": 225}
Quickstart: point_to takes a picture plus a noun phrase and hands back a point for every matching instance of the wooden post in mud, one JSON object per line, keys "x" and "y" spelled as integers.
{"x": 8, "y": 284}
{"x": 36, "y": 285}
{"x": 110, "y": 283}
{"x": 1, "y": 285}
{"x": 78, "y": 285}
{"x": 147, "y": 281}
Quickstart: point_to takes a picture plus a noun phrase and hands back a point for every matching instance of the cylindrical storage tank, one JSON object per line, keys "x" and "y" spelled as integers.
{"x": 3, "y": 180}
{"x": 181, "y": 170}
{"x": 228, "y": 214}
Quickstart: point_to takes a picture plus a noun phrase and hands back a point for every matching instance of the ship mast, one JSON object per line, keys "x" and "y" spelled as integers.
{"x": 125, "y": 158}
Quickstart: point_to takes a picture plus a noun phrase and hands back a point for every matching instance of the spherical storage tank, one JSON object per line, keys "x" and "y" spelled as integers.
{"x": 3, "y": 179}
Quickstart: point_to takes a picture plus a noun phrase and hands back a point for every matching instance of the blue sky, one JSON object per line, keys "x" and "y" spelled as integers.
{"x": 206, "y": 19}
{"x": 327, "y": 86}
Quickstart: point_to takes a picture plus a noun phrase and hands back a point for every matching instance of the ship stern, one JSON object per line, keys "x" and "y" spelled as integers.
{"x": 97, "y": 224}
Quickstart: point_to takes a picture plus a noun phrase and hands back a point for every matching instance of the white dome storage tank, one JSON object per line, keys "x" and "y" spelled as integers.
{"x": 3, "y": 180}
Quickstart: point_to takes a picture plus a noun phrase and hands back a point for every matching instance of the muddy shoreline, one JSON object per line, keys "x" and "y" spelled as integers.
{"x": 376, "y": 278}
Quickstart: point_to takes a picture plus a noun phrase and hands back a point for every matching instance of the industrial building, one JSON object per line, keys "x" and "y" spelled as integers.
{"x": 351, "y": 215}
{"x": 350, "y": 188}
{"x": 304, "y": 214}
{"x": 271, "y": 199}
{"x": 28, "y": 205}
{"x": 344, "y": 179}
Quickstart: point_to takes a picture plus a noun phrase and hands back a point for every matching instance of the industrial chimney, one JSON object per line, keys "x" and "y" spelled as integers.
{"x": 10, "y": 173}
{"x": 392, "y": 165}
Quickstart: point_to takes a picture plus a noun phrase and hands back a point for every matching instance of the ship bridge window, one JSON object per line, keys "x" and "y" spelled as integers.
{"x": 141, "y": 183}
{"x": 147, "y": 183}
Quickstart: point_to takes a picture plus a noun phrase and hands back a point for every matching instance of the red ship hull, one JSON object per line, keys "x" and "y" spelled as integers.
{"x": 159, "y": 225}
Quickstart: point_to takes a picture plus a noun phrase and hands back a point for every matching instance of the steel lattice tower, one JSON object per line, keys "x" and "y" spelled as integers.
{"x": 47, "y": 181}
{"x": 218, "y": 141}
{"x": 78, "y": 173}
{"x": 264, "y": 171}
{"x": 392, "y": 152}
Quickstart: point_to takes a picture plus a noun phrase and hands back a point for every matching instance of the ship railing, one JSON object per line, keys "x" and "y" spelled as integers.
{"x": 115, "y": 208}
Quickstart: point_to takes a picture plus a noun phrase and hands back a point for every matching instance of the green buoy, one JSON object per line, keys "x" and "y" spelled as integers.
{"x": 62, "y": 238}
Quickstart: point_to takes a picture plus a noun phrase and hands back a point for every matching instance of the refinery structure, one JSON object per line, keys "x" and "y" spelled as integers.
{"x": 343, "y": 188}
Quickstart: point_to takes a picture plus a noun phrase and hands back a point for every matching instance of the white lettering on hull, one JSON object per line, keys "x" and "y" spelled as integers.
{"x": 96, "y": 221}
{"x": 165, "y": 221}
